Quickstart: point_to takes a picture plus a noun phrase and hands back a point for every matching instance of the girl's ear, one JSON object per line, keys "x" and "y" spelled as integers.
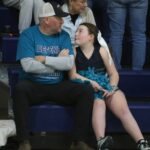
{"x": 92, "y": 37}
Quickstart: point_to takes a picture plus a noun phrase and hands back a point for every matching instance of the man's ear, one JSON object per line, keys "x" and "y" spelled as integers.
{"x": 46, "y": 20}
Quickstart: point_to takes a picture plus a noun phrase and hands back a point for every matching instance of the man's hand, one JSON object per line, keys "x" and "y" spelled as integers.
{"x": 63, "y": 53}
{"x": 40, "y": 59}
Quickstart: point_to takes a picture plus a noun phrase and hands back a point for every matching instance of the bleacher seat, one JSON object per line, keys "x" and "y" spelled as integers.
{"x": 8, "y": 48}
{"x": 140, "y": 110}
{"x": 51, "y": 118}
{"x": 47, "y": 117}
{"x": 57, "y": 114}
{"x": 135, "y": 84}
{"x": 9, "y": 17}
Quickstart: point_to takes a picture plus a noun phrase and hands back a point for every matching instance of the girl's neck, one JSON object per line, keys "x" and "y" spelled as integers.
{"x": 87, "y": 50}
{"x": 87, "y": 47}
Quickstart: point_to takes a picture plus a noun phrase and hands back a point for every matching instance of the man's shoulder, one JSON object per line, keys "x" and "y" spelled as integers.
{"x": 64, "y": 33}
{"x": 30, "y": 29}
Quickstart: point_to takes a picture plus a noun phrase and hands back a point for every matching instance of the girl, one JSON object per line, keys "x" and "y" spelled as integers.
{"x": 94, "y": 64}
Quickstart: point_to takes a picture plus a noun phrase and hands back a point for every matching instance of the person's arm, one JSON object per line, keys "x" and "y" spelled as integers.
{"x": 26, "y": 55}
{"x": 90, "y": 17}
{"x": 74, "y": 75}
{"x": 30, "y": 65}
{"x": 64, "y": 61}
{"x": 111, "y": 69}
{"x": 60, "y": 63}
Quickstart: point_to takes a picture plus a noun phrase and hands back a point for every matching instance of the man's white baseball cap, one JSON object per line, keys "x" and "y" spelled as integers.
{"x": 51, "y": 9}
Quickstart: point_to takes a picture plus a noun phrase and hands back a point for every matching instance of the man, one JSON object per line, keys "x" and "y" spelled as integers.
{"x": 45, "y": 52}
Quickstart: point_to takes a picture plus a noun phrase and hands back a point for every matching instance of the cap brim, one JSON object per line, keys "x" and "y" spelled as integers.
{"x": 58, "y": 11}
